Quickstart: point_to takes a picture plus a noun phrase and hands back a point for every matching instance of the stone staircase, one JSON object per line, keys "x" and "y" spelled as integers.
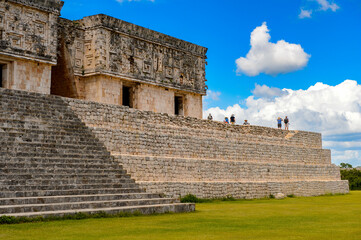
{"x": 52, "y": 164}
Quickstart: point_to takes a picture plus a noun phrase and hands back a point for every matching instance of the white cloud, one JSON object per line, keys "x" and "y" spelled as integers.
{"x": 322, "y": 5}
{"x": 212, "y": 96}
{"x": 335, "y": 111}
{"x": 347, "y": 156}
{"x": 325, "y": 5}
{"x": 271, "y": 58}
{"x": 267, "y": 92}
{"x": 305, "y": 13}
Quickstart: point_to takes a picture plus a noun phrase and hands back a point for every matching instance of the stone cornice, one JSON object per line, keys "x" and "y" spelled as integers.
{"x": 45, "y": 5}
{"x": 131, "y": 29}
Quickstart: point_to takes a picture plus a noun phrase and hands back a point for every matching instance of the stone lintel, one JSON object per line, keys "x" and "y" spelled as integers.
{"x": 144, "y": 81}
{"x": 11, "y": 56}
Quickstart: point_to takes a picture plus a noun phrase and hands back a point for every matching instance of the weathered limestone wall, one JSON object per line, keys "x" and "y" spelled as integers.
{"x": 106, "y": 89}
{"x": 110, "y": 117}
{"x": 158, "y": 66}
{"x": 101, "y": 89}
{"x": 156, "y": 99}
{"x": 178, "y": 155}
{"x": 192, "y": 169}
{"x": 246, "y": 190}
{"x": 30, "y": 76}
{"x": 28, "y": 42}
{"x": 193, "y": 106}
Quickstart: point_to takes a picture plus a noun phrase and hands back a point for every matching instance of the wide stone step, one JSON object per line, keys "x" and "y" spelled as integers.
{"x": 81, "y": 205}
{"x": 42, "y": 170}
{"x": 76, "y": 198}
{"x": 17, "y": 118}
{"x": 66, "y": 186}
{"x": 46, "y": 136}
{"x": 9, "y": 178}
{"x": 144, "y": 209}
{"x": 58, "y": 163}
{"x": 44, "y": 159}
{"x": 50, "y": 148}
{"x": 38, "y": 154}
{"x": 41, "y": 184}
{"x": 66, "y": 192}
{"x": 18, "y": 95}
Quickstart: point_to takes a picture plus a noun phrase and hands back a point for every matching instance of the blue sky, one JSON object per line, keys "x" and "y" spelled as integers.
{"x": 326, "y": 43}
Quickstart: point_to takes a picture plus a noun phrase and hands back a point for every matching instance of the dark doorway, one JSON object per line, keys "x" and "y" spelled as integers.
{"x": 2, "y": 66}
{"x": 127, "y": 95}
{"x": 178, "y": 105}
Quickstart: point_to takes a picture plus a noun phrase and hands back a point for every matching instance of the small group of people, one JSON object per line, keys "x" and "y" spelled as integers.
{"x": 286, "y": 121}
{"x": 231, "y": 120}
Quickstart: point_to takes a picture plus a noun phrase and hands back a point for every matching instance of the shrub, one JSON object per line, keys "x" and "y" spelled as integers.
{"x": 228, "y": 198}
{"x": 291, "y": 196}
{"x": 190, "y": 198}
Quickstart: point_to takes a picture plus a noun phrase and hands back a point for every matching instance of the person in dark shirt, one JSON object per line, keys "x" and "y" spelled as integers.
{"x": 287, "y": 122}
{"x": 210, "y": 117}
{"x": 233, "y": 119}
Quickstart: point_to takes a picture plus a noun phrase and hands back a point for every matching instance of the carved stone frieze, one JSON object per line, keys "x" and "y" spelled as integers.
{"x": 120, "y": 48}
{"x": 29, "y": 28}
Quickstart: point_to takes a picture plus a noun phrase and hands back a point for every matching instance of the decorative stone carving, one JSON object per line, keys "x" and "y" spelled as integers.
{"x": 27, "y": 28}
{"x": 112, "y": 46}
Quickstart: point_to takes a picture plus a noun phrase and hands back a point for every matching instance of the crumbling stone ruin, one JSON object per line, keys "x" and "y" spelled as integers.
{"x": 124, "y": 132}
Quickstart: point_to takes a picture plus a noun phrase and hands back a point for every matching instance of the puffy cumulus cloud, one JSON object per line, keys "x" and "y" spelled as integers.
{"x": 271, "y": 58}
{"x": 335, "y": 111}
{"x": 305, "y": 13}
{"x": 267, "y": 92}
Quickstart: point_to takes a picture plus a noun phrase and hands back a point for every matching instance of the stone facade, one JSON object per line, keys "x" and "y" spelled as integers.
{"x": 98, "y": 58}
{"x": 178, "y": 155}
{"x": 28, "y": 43}
{"x": 108, "y": 54}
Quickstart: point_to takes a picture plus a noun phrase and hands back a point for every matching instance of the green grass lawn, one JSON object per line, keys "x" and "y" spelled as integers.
{"x": 326, "y": 217}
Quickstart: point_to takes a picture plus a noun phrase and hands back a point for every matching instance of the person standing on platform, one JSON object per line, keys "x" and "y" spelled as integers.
{"x": 279, "y": 123}
{"x": 233, "y": 119}
{"x": 210, "y": 118}
{"x": 287, "y": 122}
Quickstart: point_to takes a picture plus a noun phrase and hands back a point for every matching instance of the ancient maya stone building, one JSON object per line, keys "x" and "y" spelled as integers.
{"x": 124, "y": 132}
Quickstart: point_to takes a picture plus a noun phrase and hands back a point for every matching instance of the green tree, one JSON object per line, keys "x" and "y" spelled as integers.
{"x": 345, "y": 165}
{"x": 353, "y": 176}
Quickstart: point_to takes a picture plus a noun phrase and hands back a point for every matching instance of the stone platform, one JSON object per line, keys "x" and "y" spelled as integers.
{"x": 52, "y": 164}
{"x": 178, "y": 155}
